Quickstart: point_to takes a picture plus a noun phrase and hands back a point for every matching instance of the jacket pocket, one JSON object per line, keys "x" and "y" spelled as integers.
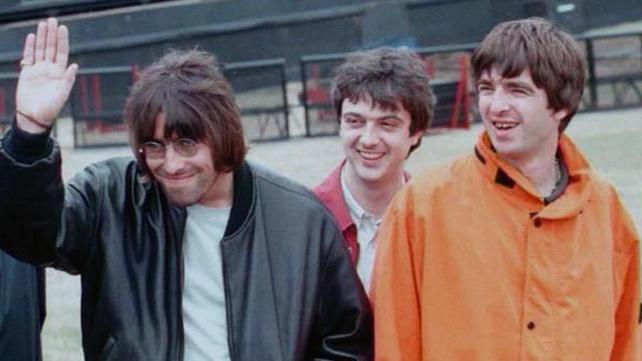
{"x": 109, "y": 350}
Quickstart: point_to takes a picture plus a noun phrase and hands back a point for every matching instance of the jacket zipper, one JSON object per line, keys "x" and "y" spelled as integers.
{"x": 181, "y": 268}
{"x": 181, "y": 336}
{"x": 228, "y": 306}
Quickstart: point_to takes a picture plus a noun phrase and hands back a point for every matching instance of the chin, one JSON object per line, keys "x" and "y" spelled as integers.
{"x": 180, "y": 200}
{"x": 370, "y": 177}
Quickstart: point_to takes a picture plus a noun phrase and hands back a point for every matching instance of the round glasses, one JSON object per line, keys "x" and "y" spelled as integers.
{"x": 185, "y": 147}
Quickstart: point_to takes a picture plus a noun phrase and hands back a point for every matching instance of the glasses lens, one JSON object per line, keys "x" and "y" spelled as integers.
{"x": 154, "y": 150}
{"x": 185, "y": 147}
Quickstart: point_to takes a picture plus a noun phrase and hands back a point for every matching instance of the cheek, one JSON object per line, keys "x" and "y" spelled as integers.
{"x": 483, "y": 105}
{"x": 154, "y": 166}
{"x": 349, "y": 137}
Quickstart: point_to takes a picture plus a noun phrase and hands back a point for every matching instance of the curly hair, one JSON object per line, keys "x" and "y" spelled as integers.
{"x": 389, "y": 77}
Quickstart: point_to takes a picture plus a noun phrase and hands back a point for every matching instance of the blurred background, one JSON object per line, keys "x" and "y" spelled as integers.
{"x": 279, "y": 56}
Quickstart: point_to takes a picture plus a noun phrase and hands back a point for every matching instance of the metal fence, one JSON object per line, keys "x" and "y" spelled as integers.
{"x": 99, "y": 95}
{"x": 614, "y": 81}
{"x": 317, "y": 72}
{"x": 615, "y": 71}
{"x": 96, "y": 106}
{"x": 8, "y": 82}
{"x": 261, "y": 93}
{"x": 261, "y": 89}
{"x": 447, "y": 67}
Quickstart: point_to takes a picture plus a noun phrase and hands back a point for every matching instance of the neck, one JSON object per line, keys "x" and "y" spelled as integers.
{"x": 373, "y": 197}
{"x": 542, "y": 171}
{"x": 221, "y": 193}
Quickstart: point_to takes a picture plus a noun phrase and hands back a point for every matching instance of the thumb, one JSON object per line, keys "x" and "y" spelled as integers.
{"x": 70, "y": 74}
{"x": 70, "y": 78}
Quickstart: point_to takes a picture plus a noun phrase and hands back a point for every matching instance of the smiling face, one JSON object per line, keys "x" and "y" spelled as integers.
{"x": 376, "y": 141}
{"x": 517, "y": 116}
{"x": 189, "y": 180}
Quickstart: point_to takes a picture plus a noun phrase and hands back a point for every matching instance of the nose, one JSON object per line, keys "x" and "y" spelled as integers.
{"x": 498, "y": 103}
{"x": 369, "y": 136}
{"x": 174, "y": 162}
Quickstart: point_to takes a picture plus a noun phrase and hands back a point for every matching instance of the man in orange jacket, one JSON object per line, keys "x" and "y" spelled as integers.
{"x": 518, "y": 251}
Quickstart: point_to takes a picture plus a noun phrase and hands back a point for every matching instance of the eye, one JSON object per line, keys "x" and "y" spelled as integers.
{"x": 484, "y": 88}
{"x": 152, "y": 146}
{"x": 153, "y": 149}
{"x": 185, "y": 142}
{"x": 389, "y": 124}
{"x": 353, "y": 121}
{"x": 186, "y": 147}
{"x": 520, "y": 91}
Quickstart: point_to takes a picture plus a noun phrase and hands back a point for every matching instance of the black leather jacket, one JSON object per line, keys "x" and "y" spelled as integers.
{"x": 291, "y": 291}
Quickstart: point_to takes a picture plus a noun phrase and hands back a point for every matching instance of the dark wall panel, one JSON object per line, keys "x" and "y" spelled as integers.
{"x": 600, "y": 13}
{"x": 451, "y": 22}
{"x": 243, "y": 30}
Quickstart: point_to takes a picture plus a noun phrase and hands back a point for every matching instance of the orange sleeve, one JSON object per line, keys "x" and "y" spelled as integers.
{"x": 627, "y": 315}
{"x": 396, "y": 286}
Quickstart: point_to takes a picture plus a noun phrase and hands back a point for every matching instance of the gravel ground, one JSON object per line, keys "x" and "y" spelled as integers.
{"x": 611, "y": 141}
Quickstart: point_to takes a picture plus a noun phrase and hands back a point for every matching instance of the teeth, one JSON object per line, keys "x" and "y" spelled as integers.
{"x": 504, "y": 125}
{"x": 370, "y": 156}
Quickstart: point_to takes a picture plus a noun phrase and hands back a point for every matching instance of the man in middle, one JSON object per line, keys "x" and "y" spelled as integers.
{"x": 384, "y": 105}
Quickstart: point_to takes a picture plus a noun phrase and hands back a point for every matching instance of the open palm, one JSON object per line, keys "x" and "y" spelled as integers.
{"x": 45, "y": 81}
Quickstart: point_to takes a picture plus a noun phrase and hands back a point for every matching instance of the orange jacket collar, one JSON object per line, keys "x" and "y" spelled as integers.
{"x": 515, "y": 184}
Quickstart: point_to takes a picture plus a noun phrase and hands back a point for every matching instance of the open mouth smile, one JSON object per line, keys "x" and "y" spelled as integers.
{"x": 370, "y": 156}
{"x": 504, "y": 125}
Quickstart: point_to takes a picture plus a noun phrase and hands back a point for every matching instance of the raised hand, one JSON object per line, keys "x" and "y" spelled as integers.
{"x": 45, "y": 79}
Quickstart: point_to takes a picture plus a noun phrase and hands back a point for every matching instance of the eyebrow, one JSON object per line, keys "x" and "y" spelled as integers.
{"x": 383, "y": 117}
{"x": 153, "y": 139}
{"x": 484, "y": 82}
{"x": 519, "y": 83}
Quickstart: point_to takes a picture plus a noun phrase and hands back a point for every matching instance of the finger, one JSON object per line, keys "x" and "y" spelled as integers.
{"x": 62, "y": 53}
{"x": 40, "y": 41}
{"x": 27, "y": 52}
{"x": 70, "y": 77}
{"x": 52, "y": 35}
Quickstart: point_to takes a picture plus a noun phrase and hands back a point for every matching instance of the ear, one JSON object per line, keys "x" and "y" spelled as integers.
{"x": 559, "y": 115}
{"x": 414, "y": 138}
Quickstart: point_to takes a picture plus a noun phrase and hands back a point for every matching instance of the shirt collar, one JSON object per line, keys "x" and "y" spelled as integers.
{"x": 357, "y": 213}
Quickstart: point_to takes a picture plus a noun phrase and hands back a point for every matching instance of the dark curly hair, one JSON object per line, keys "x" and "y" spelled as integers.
{"x": 389, "y": 77}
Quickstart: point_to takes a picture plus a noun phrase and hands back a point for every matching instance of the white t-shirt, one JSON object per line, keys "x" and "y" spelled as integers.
{"x": 367, "y": 226}
{"x": 204, "y": 314}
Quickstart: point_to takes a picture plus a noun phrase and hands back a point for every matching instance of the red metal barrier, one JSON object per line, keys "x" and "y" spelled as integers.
{"x": 461, "y": 105}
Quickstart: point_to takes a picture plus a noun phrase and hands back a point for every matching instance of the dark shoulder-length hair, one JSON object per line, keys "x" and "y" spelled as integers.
{"x": 188, "y": 88}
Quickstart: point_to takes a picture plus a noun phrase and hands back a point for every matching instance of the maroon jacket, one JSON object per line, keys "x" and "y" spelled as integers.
{"x": 330, "y": 194}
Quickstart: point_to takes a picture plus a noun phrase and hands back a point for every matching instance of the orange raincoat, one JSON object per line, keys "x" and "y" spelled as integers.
{"x": 472, "y": 265}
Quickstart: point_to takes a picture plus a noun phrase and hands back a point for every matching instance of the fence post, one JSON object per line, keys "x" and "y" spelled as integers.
{"x": 286, "y": 107}
{"x": 592, "y": 80}
{"x": 304, "y": 97}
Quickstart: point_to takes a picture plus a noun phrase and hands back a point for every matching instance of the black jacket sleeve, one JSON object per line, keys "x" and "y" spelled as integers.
{"x": 41, "y": 222}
